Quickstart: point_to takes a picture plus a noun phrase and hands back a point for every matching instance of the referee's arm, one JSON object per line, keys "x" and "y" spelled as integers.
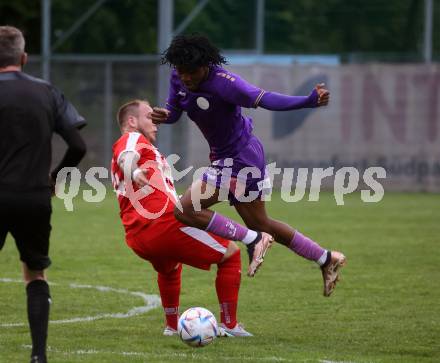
{"x": 67, "y": 124}
{"x": 75, "y": 151}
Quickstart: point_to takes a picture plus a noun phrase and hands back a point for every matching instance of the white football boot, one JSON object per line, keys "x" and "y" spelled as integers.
{"x": 236, "y": 331}
{"x": 330, "y": 273}
{"x": 169, "y": 332}
{"x": 259, "y": 252}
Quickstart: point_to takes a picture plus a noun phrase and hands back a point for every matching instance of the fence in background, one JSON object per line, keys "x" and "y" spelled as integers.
{"x": 379, "y": 115}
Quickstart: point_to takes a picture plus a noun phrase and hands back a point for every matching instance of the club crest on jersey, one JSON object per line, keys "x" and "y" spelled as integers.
{"x": 203, "y": 103}
{"x": 181, "y": 93}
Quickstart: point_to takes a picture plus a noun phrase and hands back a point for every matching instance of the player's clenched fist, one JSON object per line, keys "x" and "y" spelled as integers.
{"x": 159, "y": 115}
{"x": 139, "y": 176}
{"x": 323, "y": 94}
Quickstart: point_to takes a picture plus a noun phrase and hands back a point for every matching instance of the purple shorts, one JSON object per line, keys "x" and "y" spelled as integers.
{"x": 241, "y": 178}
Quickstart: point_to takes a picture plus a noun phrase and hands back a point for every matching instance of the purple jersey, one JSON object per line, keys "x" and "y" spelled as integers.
{"x": 216, "y": 109}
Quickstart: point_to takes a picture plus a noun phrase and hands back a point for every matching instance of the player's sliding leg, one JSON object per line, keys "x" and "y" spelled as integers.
{"x": 169, "y": 288}
{"x": 254, "y": 214}
{"x": 227, "y": 285}
{"x": 38, "y": 303}
{"x": 220, "y": 225}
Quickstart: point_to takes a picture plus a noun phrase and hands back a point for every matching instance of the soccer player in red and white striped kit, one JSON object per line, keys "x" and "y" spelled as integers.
{"x": 143, "y": 182}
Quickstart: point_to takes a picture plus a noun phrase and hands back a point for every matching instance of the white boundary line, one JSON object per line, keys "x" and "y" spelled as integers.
{"x": 150, "y": 302}
{"x": 191, "y": 355}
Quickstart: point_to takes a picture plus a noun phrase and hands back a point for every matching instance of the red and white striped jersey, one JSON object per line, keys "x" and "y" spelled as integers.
{"x": 139, "y": 206}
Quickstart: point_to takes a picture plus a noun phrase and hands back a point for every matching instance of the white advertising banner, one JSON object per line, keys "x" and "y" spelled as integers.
{"x": 379, "y": 115}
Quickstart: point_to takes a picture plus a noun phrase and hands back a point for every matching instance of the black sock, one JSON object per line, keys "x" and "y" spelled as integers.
{"x": 328, "y": 259}
{"x": 38, "y": 302}
{"x": 251, "y": 246}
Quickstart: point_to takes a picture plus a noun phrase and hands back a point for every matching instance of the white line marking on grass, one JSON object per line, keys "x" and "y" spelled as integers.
{"x": 192, "y": 355}
{"x": 151, "y": 302}
{"x": 332, "y": 361}
{"x": 10, "y": 280}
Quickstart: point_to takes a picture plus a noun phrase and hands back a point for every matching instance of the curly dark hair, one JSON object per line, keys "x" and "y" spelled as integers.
{"x": 192, "y": 51}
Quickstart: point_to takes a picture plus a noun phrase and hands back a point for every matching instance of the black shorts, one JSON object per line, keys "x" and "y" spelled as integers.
{"x": 26, "y": 215}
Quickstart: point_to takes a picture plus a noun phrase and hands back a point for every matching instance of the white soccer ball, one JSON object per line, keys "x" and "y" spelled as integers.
{"x": 197, "y": 327}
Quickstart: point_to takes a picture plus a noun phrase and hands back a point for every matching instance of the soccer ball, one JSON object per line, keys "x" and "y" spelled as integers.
{"x": 197, "y": 327}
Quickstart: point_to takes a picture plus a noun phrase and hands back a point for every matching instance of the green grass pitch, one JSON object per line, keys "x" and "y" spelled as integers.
{"x": 386, "y": 308}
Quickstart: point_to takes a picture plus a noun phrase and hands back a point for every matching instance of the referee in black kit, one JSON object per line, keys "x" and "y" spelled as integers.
{"x": 31, "y": 110}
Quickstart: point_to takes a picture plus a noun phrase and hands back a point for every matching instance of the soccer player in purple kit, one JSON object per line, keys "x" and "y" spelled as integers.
{"x": 212, "y": 97}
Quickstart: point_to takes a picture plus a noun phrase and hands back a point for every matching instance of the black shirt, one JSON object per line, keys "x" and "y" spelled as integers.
{"x": 30, "y": 111}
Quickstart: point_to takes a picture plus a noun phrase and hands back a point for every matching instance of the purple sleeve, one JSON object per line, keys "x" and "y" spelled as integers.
{"x": 173, "y": 103}
{"x": 278, "y": 102}
{"x": 237, "y": 91}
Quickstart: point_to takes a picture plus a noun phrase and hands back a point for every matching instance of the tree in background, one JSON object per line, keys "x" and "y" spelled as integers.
{"x": 127, "y": 26}
{"x": 24, "y": 15}
{"x": 291, "y": 27}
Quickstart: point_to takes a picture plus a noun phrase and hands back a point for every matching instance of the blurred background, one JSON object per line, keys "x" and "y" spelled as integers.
{"x": 380, "y": 60}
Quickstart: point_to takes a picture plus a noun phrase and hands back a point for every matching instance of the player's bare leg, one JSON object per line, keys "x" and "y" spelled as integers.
{"x": 31, "y": 275}
{"x": 254, "y": 215}
{"x": 203, "y": 196}
{"x": 202, "y": 193}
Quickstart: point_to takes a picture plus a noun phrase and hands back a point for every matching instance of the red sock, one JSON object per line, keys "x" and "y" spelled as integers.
{"x": 169, "y": 287}
{"x": 227, "y": 285}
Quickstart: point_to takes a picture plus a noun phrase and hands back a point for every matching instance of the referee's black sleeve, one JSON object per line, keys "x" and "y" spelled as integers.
{"x": 67, "y": 123}
{"x": 75, "y": 151}
{"x": 66, "y": 115}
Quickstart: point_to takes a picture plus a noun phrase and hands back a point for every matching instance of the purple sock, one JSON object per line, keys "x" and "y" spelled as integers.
{"x": 307, "y": 248}
{"x": 227, "y": 228}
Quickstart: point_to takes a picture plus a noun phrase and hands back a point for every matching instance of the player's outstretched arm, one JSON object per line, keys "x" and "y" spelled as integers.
{"x": 238, "y": 91}
{"x": 279, "y": 102}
